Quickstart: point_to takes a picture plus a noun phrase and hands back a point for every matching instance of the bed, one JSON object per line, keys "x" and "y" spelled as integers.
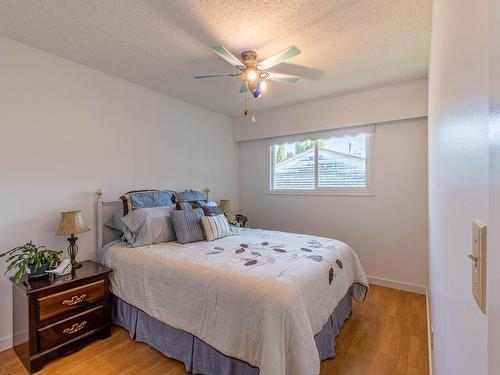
{"x": 257, "y": 302}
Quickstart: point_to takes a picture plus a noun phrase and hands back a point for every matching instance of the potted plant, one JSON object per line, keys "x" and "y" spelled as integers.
{"x": 32, "y": 260}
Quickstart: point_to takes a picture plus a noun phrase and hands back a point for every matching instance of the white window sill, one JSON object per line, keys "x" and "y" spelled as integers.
{"x": 315, "y": 192}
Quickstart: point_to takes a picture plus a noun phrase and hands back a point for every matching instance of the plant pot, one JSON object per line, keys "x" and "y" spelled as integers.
{"x": 40, "y": 272}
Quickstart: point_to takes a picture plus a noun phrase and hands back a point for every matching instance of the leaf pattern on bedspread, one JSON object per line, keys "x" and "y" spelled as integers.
{"x": 314, "y": 242}
{"x": 304, "y": 247}
{"x": 213, "y": 252}
{"x": 316, "y": 258}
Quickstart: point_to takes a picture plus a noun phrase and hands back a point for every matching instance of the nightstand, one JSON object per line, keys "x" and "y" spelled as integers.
{"x": 59, "y": 315}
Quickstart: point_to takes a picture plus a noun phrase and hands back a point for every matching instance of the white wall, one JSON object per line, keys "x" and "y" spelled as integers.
{"x": 388, "y": 230}
{"x": 390, "y": 103}
{"x": 458, "y": 180}
{"x": 66, "y": 130}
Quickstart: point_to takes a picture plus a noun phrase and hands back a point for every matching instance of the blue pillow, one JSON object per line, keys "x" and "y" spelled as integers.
{"x": 187, "y": 225}
{"x": 190, "y": 195}
{"x": 134, "y": 200}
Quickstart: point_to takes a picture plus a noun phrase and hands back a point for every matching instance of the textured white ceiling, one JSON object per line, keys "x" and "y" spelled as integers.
{"x": 346, "y": 45}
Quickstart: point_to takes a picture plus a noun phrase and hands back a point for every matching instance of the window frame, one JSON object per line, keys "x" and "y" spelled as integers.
{"x": 368, "y": 190}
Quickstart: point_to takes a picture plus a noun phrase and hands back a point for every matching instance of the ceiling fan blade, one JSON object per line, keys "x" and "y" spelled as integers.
{"x": 243, "y": 88}
{"x": 279, "y": 58}
{"x": 300, "y": 71}
{"x": 282, "y": 78}
{"x": 229, "y": 57}
{"x": 210, "y": 76}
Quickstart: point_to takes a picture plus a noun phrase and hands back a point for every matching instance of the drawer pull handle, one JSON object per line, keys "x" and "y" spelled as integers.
{"x": 75, "y": 328}
{"x": 74, "y": 300}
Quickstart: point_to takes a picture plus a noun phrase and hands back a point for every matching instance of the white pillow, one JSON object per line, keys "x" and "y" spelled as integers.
{"x": 215, "y": 227}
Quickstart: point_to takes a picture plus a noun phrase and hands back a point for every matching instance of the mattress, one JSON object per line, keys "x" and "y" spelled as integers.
{"x": 258, "y": 296}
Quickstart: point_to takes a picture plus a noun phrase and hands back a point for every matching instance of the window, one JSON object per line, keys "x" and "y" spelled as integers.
{"x": 335, "y": 162}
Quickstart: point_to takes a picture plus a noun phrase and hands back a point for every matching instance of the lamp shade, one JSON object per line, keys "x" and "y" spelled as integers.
{"x": 225, "y": 205}
{"x": 72, "y": 222}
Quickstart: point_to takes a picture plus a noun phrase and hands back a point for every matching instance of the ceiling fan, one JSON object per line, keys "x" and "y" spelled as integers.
{"x": 255, "y": 73}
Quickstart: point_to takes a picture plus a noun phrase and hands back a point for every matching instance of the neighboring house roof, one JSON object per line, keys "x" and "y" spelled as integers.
{"x": 322, "y": 150}
{"x": 335, "y": 169}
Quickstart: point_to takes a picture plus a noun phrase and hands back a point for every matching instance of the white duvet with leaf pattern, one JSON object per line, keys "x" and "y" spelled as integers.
{"x": 259, "y": 296}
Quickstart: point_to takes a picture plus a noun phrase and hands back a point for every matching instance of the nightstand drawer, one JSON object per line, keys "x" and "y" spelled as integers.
{"x": 65, "y": 330}
{"x": 55, "y": 304}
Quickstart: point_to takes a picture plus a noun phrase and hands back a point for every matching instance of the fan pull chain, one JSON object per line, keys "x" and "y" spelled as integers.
{"x": 245, "y": 112}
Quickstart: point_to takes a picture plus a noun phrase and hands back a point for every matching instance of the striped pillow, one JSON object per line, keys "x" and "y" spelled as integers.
{"x": 215, "y": 227}
{"x": 187, "y": 225}
{"x": 188, "y": 205}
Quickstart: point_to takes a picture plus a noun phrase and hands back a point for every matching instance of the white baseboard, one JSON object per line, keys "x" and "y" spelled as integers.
{"x": 420, "y": 289}
{"x": 5, "y": 343}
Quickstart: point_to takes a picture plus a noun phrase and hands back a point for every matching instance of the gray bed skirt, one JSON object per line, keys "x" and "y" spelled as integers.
{"x": 198, "y": 356}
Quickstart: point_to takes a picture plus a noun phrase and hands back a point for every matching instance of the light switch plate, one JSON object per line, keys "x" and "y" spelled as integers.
{"x": 478, "y": 258}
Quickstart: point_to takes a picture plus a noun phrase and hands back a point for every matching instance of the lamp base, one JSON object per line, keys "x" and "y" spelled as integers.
{"x": 73, "y": 251}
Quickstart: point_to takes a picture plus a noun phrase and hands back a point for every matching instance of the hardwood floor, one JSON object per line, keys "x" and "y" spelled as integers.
{"x": 386, "y": 334}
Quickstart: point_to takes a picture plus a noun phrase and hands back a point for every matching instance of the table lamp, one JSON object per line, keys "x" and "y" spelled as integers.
{"x": 225, "y": 205}
{"x": 72, "y": 223}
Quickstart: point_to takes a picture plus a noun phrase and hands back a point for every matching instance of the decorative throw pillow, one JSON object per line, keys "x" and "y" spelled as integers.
{"x": 146, "y": 226}
{"x": 187, "y": 225}
{"x": 212, "y": 210}
{"x": 188, "y": 205}
{"x": 215, "y": 227}
{"x": 134, "y": 200}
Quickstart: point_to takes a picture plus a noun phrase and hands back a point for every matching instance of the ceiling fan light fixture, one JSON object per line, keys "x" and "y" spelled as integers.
{"x": 256, "y": 93}
{"x": 254, "y": 73}
{"x": 253, "y": 87}
{"x": 251, "y": 75}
